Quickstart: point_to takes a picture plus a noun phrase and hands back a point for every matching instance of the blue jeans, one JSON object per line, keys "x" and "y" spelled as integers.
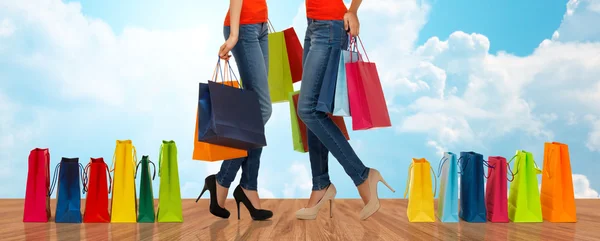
{"x": 251, "y": 55}
{"x": 322, "y": 46}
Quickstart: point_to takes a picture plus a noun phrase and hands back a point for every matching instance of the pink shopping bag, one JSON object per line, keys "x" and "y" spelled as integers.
{"x": 367, "y": 102}
{"x": 37, "y": 193}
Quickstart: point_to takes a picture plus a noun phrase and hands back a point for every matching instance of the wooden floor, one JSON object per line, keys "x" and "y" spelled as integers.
{"x": 390, "y": 223}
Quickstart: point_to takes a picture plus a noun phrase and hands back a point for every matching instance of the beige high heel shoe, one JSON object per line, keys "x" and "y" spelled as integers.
{"x": 311, "y": 213}
{"x": 373, "y": 205}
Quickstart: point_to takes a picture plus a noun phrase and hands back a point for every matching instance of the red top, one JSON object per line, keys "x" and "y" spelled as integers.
{"x": 325, "y": 9}
{"x": 253, "y": 11}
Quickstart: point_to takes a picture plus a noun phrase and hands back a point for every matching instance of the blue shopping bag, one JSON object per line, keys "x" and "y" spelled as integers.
{"x": 472, "y": 195}
{"x": 327, "y": 93}
{"x": 229, "y": 116}
{"x": 68, "y": 204}
{"x": 447, "y": 210}
{"x": 341, "y": 106}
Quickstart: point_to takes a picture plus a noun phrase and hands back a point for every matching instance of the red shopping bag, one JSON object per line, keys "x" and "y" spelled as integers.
{"x": 338, "y": 120}
{"x": 496, "y": 197}
{"x": 37, "y": 192}
{"x": 295, "y": 51}
{"x": 367, "y": 102}
{"x": 96, "y": 202}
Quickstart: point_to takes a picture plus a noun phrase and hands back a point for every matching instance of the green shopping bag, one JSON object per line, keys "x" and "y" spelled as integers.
{"x": 296, "y": 137}
{"x": 169, "y": 196}
{"x": 524, "y": 197}
{"x": 280, "y": 74}
{"x": 146, "y": 206}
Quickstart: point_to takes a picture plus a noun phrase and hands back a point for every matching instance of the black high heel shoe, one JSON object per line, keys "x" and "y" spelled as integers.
{"x": 210, "y": 184}
{"x": 257, "y": 214}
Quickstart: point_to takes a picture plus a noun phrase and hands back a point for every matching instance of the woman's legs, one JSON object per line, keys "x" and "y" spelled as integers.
{"x": 324, "y": 40}
{"x": 251, "y": 56}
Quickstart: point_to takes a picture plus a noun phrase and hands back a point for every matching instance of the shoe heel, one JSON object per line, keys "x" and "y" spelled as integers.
{"x": 238, "y": 208}
{"x": 330, "y": 208}
{"x": 203, "y": 190}
{"x": 386, "y": 184}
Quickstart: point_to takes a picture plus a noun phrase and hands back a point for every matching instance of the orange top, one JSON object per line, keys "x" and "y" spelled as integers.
{"x": 253, "y": 11}
{"x": 325, "y": 9}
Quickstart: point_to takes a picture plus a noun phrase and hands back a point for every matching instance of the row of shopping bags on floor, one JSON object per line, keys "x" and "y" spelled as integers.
{"x": 71, "y": 178}
{"x": 474, "y": 201}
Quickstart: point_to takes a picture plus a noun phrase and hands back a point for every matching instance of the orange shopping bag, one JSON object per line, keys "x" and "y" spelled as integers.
{"x": 557, "y": 197}
{"x": 209, "y": 152}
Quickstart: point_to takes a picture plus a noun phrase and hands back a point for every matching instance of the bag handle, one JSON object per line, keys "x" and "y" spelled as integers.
{"x": 409, "y": 178}
{"x": 442, "y": 161}
{"x": 109, "y": 179}
{"x": 223, "y": 72}
{"x": 487, "y": 164}
{"x": 83, "y": 178}
{"x": 358, "y": 51}
{"x": 270, "y": 26}
{"x": 150, "y": 162}
{"x": 86, "y": 172}
{"x": 231, "y": 74}
{"x": 53, "y": 185}
{"x": 460, "y": 168}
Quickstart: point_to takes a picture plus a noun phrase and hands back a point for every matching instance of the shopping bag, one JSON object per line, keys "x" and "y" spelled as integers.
{"x": 367, "y": 101}
{"x": 524, "y": 196}
{"x": 230, "y": 116}
{"x": 280, "y": 75}
{"x": 146, "y": 210}
{"x": 420, "y": 195}
{"x": 68, "y": 196}
{"x": 447, "y": 210}
{"x": 294, "y": 53}
{"x": 328, "y": 85}
{"x": 339, "y": 122}
{"x": 496, "y": 197}
{"x": 37, "y": 192}
{"x": 341, "y": 106}
{"x": 557, "y": 197}
{"x": 123, "y": 202}
{"x": 295, "y": 119}
{"x": 96, "y": 202}
{"x": 472, "y": 196}
{"x": 169, "y": 195}
{"x": 208, "y": 152}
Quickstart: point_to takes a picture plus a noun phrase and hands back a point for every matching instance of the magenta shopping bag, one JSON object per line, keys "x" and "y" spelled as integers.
{"x": 496, "y": 196}
{"x": 367, "y": 102}
{"x": 37, "y": 192}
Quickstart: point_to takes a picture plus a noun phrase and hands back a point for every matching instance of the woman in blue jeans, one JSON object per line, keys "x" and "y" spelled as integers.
{"x": 246, "y": 34}
{"x": 329, "y": 23}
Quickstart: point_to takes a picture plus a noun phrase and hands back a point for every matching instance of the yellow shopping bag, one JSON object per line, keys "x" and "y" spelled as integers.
{"x": 123, "y": 202}
{"x": 418, "y": 186}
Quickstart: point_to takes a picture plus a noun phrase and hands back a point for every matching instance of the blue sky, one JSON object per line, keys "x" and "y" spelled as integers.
{"x": 460, "y": 75}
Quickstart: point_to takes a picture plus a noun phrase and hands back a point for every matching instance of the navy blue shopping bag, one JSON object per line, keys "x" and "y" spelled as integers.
{"x": 229, "y": 116}
{"x": 472, "y": 195}
{"x": 327, "y": 92}
{"x": 68, "y": 205}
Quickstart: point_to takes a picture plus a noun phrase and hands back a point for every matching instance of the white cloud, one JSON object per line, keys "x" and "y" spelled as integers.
{"x": 593, "y": 141}
{"x": 438, "y": 148}
{"x": 7, "y": 28}
{"x": 582, "y": 188}
{"x": 575, "y": 24}
{"x": 300, "y": 181}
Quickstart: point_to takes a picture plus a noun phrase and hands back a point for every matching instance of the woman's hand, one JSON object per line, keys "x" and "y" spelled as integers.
{"x": 351, "y": 23}
{"x": 227, "y": 46}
